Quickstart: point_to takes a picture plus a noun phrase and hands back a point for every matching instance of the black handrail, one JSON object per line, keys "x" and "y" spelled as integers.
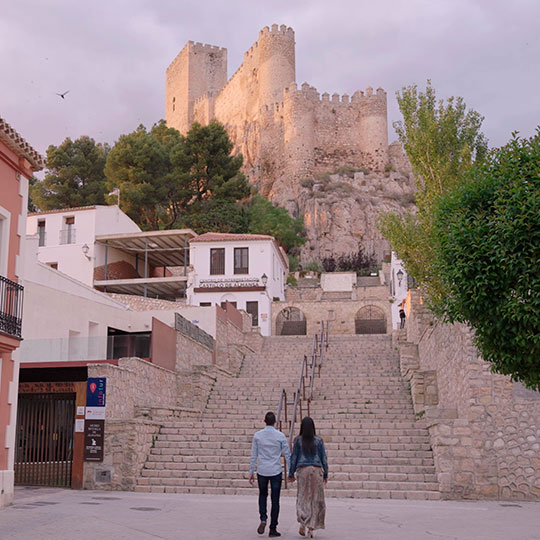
{"x": 11, "y": 307}
{"x": 318, "y": 348}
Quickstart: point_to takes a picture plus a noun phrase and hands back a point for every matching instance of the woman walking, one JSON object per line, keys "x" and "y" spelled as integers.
{"x": 310, "y": 464}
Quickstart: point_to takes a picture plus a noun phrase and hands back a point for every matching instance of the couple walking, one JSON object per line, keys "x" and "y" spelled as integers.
{"x": 308, "y": 461}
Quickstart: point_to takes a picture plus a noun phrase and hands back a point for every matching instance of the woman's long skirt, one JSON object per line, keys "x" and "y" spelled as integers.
{"x": 310, "y": 505}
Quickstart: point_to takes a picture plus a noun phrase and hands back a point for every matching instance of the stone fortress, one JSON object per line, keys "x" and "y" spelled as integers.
{"x": 285, "y": 132}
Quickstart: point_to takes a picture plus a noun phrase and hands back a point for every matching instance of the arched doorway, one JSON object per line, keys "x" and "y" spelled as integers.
{"x": 370, "y": 320}
{"x": 291, "y": 321}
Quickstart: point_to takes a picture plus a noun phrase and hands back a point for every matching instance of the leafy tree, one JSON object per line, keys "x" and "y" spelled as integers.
{"x": 265, "y": 218}
{"x": 213, "y": 171}
{"x": 357, "y": 261}
{"x": 165, "y": 178}
{"x": 217, "y": 215}
{"x": 31, "y": 207}
{"x": 74, "y": 175}
{"x": 442, "y": 141}
{"x": 154, "y": 190}
{"x": 488, "y": 256}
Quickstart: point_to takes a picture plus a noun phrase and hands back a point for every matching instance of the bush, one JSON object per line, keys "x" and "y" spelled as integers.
{"x": 313, "y": 266}
{"x": 358, "y": 262}
{"x": 291, "y": 280}
{"x": 488, "y": 256}
{"x": 293, "y": 263}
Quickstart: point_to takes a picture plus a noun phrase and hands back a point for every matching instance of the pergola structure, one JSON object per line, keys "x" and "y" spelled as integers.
{"x": 157, "y": 249}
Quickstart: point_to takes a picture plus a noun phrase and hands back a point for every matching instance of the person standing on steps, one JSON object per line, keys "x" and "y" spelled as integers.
{"x": 402, "y": 314}
{"x": 310, "y": 463}
{"x": 266, "y": 449}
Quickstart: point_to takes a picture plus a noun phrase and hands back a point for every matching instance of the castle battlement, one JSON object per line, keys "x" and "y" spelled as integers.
{"x": 285, "y": 131}
{"x": 277, "y": 29}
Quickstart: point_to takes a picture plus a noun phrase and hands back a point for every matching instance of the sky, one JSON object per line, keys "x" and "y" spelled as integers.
{"x": 112, "y": 56}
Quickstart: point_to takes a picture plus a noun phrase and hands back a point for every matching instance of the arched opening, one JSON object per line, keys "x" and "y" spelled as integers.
{"x": 370, "y": 320}
{"x": 291, "y": 321}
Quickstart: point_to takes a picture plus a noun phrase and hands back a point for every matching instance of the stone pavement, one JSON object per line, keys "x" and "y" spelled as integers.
{"x": 45, "y": 513}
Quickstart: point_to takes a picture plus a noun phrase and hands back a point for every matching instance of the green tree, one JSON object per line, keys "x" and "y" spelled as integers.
{"x": 213, "y": 171}
{"x": 153, "y": 190}
{"x": 164, "y": 177}
{"x": 488, "y": 257}
{"x": 442, "y": 141}
{"x": 265, "y": 218}
{"x": 217, "y": 215}
{"x": 74, "y": 175}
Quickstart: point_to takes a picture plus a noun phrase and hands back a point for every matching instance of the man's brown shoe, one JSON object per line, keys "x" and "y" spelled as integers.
{"x": 261, "y": 527}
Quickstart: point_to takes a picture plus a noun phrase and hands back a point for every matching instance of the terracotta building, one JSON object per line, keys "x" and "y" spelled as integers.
{"x": 18, "y": 161}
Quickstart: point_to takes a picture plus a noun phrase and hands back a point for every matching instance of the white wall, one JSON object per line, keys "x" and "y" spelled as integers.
{"x": 398, "y": 290}
{"x": 88, "y": 224}
{"x": 264, "y": 258}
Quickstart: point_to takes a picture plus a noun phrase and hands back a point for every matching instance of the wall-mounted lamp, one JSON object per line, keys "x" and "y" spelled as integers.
{"x": 86, "y": 250}
{"x": 264, "y": 279}
{"x": 400, "y": 275}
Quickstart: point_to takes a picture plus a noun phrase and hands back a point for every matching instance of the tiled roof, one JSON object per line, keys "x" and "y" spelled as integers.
{"x": 62, "y": 210}
{"x": 230, "y": 237}
{"x": 16, "y": 143}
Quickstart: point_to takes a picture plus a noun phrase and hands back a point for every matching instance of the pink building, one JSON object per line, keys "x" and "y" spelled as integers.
{"x": 18, "y": 161}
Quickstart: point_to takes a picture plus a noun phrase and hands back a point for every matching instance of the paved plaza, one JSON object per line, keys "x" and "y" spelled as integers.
{"x": 44, "y": 513}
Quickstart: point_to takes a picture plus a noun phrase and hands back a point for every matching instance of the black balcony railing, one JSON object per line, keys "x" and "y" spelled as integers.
{"x": 11, "y": 307}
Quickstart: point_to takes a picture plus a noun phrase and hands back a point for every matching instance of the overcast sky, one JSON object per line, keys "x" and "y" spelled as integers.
{"x": 112, "y": 55}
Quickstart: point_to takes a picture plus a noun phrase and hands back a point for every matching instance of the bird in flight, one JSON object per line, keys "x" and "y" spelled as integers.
{"x": 62, "y": 95}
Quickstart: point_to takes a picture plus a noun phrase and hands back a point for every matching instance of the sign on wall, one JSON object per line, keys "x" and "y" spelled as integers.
{"x": 93, "y": 440}
{"x": 94, "y": 424}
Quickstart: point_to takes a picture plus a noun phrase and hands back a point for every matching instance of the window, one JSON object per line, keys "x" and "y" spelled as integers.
{"x": 67, "y": 235}
{"x": 253, "y": 309}
{"x": 217, "y": 261}
{"x": 205, "y": 304}
{"x": 41, "y": 232}
{"x": 241, "y": 261}
{"x": 224, "y": 304}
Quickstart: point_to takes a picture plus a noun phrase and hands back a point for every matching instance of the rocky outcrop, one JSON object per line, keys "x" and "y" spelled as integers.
{"x": 341, "y": 210}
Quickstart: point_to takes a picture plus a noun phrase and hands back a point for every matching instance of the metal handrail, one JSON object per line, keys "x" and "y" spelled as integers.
{"x": 319, "y": 346}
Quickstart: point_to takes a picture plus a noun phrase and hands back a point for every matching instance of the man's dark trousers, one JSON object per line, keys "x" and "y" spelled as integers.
{"x": 275, "y": 491}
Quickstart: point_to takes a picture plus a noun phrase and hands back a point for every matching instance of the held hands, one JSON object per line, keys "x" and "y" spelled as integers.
{"x": 251, "y": 479}
{"x": 292, "y": 479}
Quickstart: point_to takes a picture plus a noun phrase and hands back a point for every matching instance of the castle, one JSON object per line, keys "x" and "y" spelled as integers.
{"x": 284, "y": 132}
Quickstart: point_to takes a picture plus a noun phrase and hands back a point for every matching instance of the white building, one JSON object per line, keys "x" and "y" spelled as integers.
{"x": 399, "y": 288}
{"x": 102, "y": 247}
{"x": 66, "y": 320}
{"x": 248, "y": 270}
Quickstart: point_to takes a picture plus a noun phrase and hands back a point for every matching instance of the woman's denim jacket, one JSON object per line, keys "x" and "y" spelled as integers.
{"x": 301, "y": 459}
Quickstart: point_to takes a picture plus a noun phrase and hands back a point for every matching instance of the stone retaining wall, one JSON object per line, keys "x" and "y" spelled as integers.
{"x": 484, "y": 429}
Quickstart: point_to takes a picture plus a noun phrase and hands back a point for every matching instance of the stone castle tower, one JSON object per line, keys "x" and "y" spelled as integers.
{"x": 284, "y": 132}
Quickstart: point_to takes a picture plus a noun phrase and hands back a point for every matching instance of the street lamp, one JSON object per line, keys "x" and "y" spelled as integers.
{"x": 264, "y": 279}
{"x": 400, "y": 275}
{"x": 85, "y": 250}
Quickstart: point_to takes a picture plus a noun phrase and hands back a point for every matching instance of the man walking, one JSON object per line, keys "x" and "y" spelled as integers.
{"x": 266, "y": 450}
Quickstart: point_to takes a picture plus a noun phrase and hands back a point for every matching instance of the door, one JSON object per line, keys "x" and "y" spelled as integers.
{"x": 253, "y": 309}
{"x": 45, "y": 429}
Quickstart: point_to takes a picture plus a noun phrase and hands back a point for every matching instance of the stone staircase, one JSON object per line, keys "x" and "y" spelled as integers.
{"x": 362, "y": 409}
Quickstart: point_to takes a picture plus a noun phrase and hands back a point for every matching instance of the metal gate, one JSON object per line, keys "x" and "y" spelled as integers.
{"x": 45, "y": 425}
{"x": 370, "y": 320}
{"x": 294, "y": 328}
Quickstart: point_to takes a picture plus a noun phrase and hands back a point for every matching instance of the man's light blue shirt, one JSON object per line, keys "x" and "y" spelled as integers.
{"x": 266, "y": 449}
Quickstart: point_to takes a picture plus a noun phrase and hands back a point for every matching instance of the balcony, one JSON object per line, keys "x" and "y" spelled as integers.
{"x": 11, "y": 307}
{"x": 67, "y": 236}
{"x": 84, "y": 349}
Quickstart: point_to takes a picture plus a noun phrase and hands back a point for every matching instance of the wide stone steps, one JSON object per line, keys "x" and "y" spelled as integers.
{"x": 361, "y": 406}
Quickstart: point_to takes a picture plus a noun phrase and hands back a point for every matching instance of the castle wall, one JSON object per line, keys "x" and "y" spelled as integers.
{"x": 284, "y": 133}
{"x": 197, "y": 70}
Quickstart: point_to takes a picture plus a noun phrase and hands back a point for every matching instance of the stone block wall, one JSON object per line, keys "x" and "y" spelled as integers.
{"x": 133, "y": 384}
{"x": 340, "y": 313}
{"x": 484, "y": 429}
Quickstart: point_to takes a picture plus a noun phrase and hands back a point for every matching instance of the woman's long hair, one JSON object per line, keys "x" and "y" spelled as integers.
{"x": 307, "y": 435}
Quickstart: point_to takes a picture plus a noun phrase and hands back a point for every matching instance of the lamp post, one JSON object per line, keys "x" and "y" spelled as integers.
{"x": 86, "y": 250}
{"x": 264, "y": 279}
{"x": 400, "y": 275}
